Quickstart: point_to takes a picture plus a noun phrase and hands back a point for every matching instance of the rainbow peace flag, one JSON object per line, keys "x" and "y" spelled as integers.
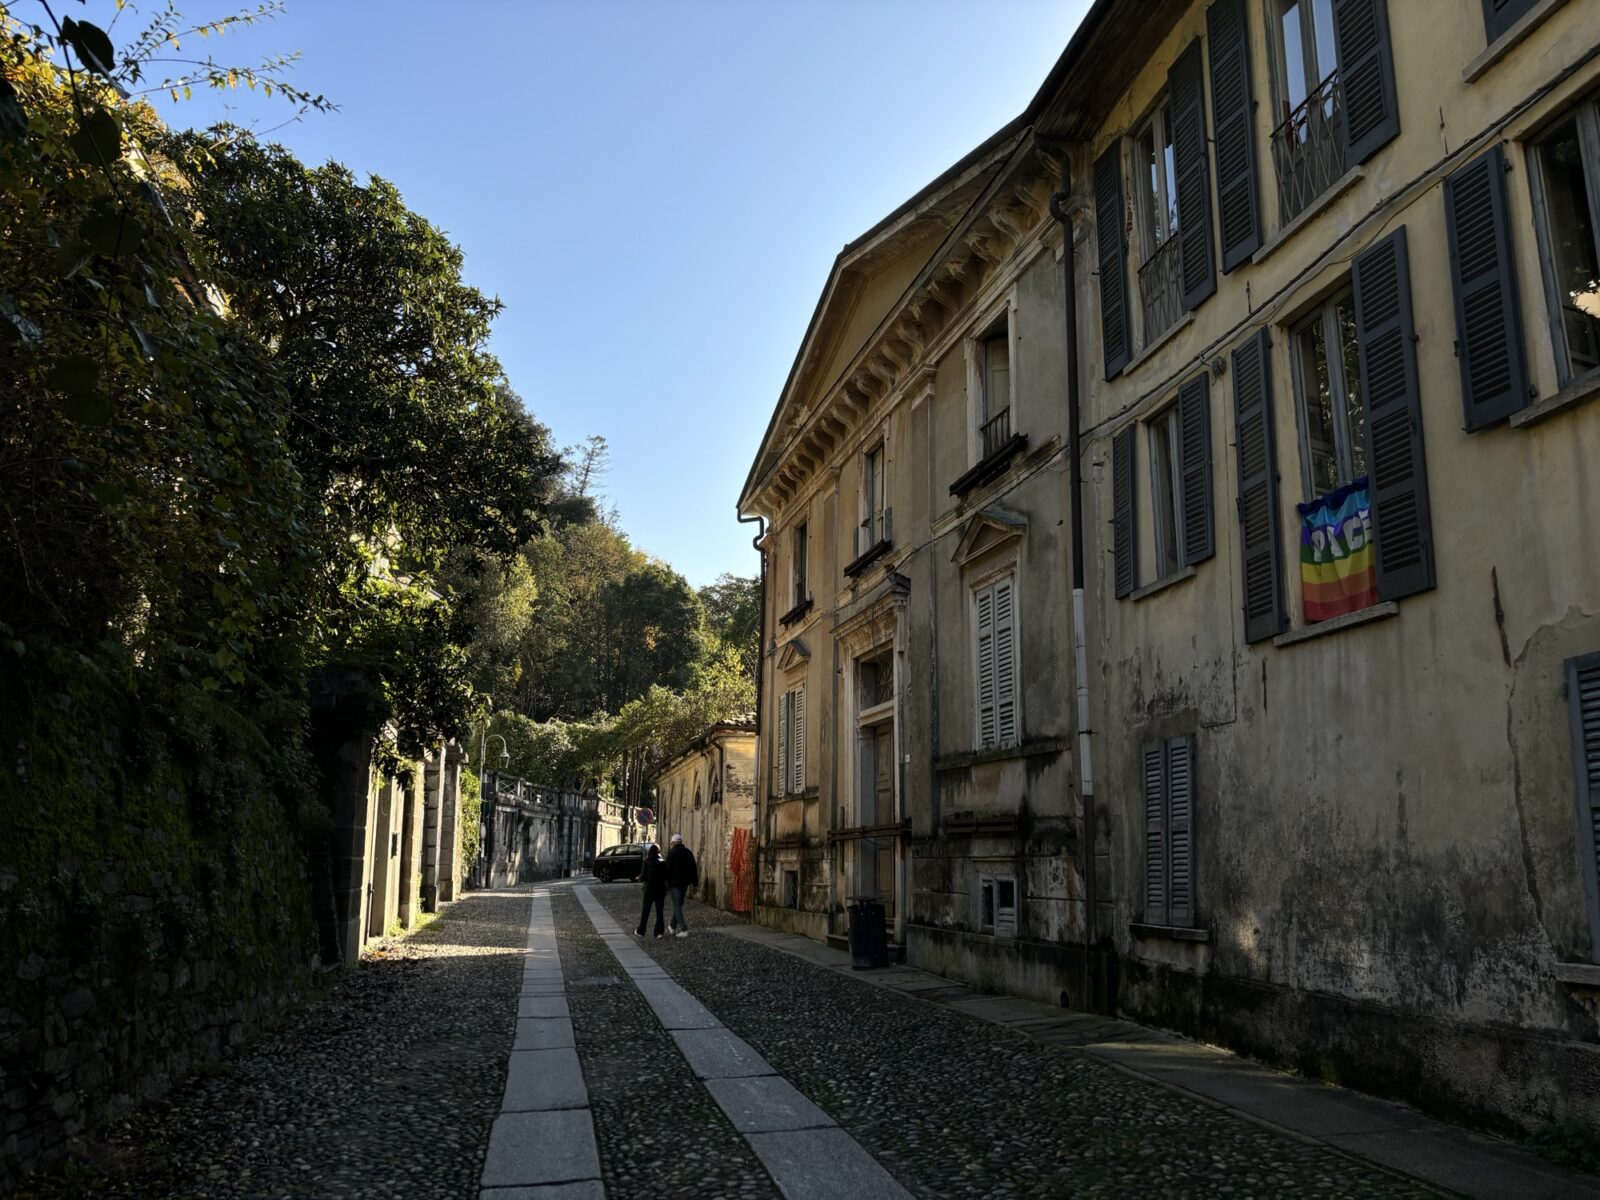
{"x": 1338, "y": 573}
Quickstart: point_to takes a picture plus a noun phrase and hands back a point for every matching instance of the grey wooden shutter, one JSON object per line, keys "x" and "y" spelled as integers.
{"x": 1124, "y": 543}
{"x": 1501, "y": 15}
{"x": 1180, "y": 831}
{"x": 1366, "y": 77}
{"x": 1005, "y": 663}
{"x": 1233, "y": 112}
{"x": 1260, "y": 547}
{"x": 986, "y": 669}
{"x": 1155, "y": 834}
{"x": 1583, "y": 703}
{"x": 1194, "y": 466}
{"x": 797, "y": 741}
{"x": 1494, "y": 368}
{"x": 785, "y": 702}
{"x": 1197, "y": 265}
{"x": 1115, "y": 335}
{"x": 1386, "y": 342}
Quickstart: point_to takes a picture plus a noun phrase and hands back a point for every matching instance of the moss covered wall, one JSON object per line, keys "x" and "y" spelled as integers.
{"x": 154, "y": 906}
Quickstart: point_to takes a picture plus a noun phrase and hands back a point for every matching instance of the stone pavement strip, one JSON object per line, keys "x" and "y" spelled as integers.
{"x": 808, "y": 1156}
{"x": 542, "y": 1145}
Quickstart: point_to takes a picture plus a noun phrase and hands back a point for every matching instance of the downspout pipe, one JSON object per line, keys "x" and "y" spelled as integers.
{"x": 1061, "y": 209}
{"x": 759, "y": 783}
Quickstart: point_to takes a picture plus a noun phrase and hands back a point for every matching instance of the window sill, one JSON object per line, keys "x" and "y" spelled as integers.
{"x": 1381, "y": 611}
{"x": 1507, "y": 41}
{"x": 972, "y": 758}
{"x": 1317, "y": 207}
{"x": 795, "y": 613}
{"x": 1578, "y": 974}
{"x": 1165, "y": 336}
{"x": 867, "y": 557}
{"x": 1162, "y": 584}
{"x": 991, "y": 467}
{"x": 1576, "y": 392}
{"x": 1172, "y": 933}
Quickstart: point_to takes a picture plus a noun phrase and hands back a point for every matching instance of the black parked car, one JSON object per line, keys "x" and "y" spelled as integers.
{"x": 620, "y": 862}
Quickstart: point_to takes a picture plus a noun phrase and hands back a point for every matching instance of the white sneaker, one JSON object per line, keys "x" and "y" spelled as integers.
{"x": 683, "y": 933}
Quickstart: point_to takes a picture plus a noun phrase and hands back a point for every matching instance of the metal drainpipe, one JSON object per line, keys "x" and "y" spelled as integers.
{"x": 758, "y": 784}
{"x": 1060, "y": 209}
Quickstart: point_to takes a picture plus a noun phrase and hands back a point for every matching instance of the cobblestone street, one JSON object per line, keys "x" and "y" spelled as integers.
{"x": 707, "y": 1066}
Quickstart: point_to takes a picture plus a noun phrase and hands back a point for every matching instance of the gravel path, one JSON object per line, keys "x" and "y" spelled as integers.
{"x": 957, "y": 1107}
{"x": 659, "y": 1132}
{"x": 384, "y": 1086}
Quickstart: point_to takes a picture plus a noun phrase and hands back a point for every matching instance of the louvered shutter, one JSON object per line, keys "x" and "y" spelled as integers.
{"x": 986, "y": 669}
{"x": 1233, "y": 127}
{"x": 1194, "y": 467}
{"x": 1366, "y": 77}
{"x": 1583, "y": 703}
{"x": 1005, "y": 663}
{"x": 1494, "y": 368}
{"x": 1197, "y": 264}
{"x": 1115, "y": 336}
{"x": 1386, "y": 340}
{"x": 1501, "y": 15}
{"x": 1124, "y": 544}
{"x": 785, "y": 702}
{"x": 1155, "y": 834}
{"x": 1180, "y": 831}
{"x": 1260, "y": 547}
{"x": 797, "y": 738}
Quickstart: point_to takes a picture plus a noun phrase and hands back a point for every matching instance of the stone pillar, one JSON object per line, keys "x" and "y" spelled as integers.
{"x": 410, "y": 850}
{"x": 433, "y": 797}
{"x": 345, "y": 718}
{"x": 450, "y": 822}
{"x": 383, "y": 865}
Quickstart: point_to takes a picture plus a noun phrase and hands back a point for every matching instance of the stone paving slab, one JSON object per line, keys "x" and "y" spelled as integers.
{"x": 541, "y": 1147}
{"x": 540, "y": 1080}
{"x": 673, "y": 1006}
{"x": 765, "y": 1104}
{"x": 532, "y": 1006}
{"x": 719, "y": 1054}
{"x": 823, "y": 1164}
{"x": 591, "y": 1189}
{"x": 543, "y": 1033}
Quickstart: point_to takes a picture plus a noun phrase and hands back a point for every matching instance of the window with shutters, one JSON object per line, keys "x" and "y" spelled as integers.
{"x": 997, "y": 904}
{"x": 791, "y": 756}
{"x": 1583, "y": 703}
{"x": 1164, "y": 505}
{"x": 1334, "y": 90}
{"x": 874, "y": 516}
{"x": 1327, "y": 383}
{"x": 1169, "y": 797}
{"x": 995, "y": 658}
{"x": 800, "y": 553}
{"x": 1156, "y": 201}
{"x": 994, "y": 388}
{"x": 1566, "y": 178}
{"x": 1500, "y": 15}
{"x": 1178, "y": 442}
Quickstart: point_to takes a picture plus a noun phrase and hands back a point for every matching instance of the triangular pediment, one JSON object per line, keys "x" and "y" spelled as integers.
{"x": 793, "y": 654}
{"x": 988, "y": 530}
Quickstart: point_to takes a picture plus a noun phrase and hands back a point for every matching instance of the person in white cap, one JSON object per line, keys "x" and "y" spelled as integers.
{"x": 683, "y": 873}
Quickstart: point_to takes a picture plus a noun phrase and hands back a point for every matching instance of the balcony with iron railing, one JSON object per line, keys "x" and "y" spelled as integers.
{"x": 1161, "y": 288}
{"x": 1308, "y": 149}
{"x": 995, "y": 432}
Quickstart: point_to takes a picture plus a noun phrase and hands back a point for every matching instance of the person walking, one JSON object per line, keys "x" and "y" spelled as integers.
{"x": 683, "y": 873}
{"x": 654, "y": 876}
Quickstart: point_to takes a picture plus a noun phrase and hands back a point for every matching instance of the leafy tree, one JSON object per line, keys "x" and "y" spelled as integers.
{"x": 732, "y": 608}
{"x": 650, "y": 622}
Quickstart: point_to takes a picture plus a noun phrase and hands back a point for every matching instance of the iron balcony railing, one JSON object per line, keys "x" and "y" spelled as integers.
{"x": 996, "y": 431}
{"x": 1161, "y": 288}
{"x": 1308, "y": 148}
{"x": 875, "y": 529}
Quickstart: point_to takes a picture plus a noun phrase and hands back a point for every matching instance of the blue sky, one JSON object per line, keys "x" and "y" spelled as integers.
{"x": 655, "y": 190}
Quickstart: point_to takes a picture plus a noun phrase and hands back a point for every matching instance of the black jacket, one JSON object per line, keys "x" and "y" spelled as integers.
{"x": 682, "y": 870}
{"x": 654, "y": 875}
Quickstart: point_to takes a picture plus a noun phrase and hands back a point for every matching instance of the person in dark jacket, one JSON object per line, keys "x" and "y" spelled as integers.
{"x": 654, "y": 876}
{"x": 683, "y": 873}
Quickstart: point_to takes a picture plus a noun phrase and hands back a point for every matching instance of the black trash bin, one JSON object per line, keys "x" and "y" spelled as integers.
{"x": 869, "y": 943}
